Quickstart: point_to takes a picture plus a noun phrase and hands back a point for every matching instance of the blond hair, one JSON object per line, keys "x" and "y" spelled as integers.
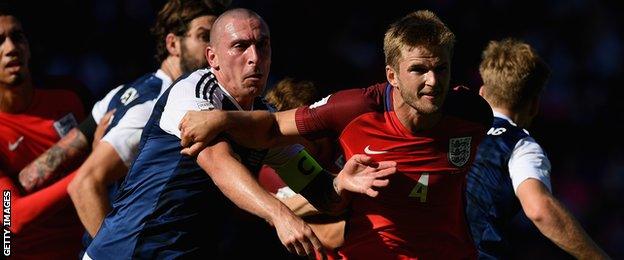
{"x": 420, "y": 28}
{"x": 289, "y": 94}
{"x": 513, "y": 73}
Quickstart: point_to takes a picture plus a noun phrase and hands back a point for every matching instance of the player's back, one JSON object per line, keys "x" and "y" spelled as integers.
{"x": 490, "y": 199}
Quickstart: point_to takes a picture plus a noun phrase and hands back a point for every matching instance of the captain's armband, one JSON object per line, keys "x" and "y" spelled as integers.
{"x": 299, "y": 171}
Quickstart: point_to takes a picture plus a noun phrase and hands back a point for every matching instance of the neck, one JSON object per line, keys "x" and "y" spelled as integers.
{"x": 16, "y": 99}
{"x": 519, "y": 118}
{"x": 410, "y": 117}
{"x": 245, "y": 102}
{"x": 171, "y": 67}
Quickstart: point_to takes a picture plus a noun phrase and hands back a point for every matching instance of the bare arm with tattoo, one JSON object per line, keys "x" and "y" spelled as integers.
{"x": 53, "y": 163}
{"x": 58, "y": 160}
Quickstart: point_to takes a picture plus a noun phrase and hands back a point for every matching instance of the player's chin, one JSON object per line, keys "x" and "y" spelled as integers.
{"x": 429, "y": 109}
{"x": 253, "y": 87}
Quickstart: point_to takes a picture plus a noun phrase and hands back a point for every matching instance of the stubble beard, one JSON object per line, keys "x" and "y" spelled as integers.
{"x": 189, "y": 63}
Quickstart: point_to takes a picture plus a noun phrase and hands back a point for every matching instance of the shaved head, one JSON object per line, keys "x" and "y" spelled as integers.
{"x": 223, "y": 22}
{"x": 239, "y": 53}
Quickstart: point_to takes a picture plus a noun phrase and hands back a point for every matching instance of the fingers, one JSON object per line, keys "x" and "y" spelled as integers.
{"x": 372, "y": 193}
{"x": 194, "y": 149}
{"x": 107, "y": 117}
{"x": 316, "y": 243}
{"x": 304, "y": 242}
{"x": 384, "y": 172}
{"x": 386, "y": 164}
{"x": 363, "y": 159}
{"x": 302, "y": 247}
{"x": 183, "y": 121}
{"x": 381, "y": 183}
{"x": 185, "y": 140}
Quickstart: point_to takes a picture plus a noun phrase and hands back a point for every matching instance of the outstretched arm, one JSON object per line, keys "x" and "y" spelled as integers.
{"x": 360, "y": 175}
{"x": 237, "y": 183}
{"x": 269, "y": 129}
{"x": 555, "y": 222}
{"x": 89, "y": 190}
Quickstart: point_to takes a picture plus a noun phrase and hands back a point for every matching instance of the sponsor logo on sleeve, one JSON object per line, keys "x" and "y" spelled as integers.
{"x": 65, "y": 124}
{"x": 205, "y": 105}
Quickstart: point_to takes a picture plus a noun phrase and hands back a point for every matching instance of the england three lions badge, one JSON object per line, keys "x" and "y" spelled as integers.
{"x": 459, "y": 150}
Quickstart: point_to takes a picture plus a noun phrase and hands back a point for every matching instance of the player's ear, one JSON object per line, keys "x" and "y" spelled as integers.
{"x": 391, "y": 76}
{"x": 212, "y": 58}
{"x": 172, "y": 42}
{"x": 481, "y": 91}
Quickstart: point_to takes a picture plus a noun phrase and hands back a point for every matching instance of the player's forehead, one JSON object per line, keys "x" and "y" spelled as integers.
{"x": 245, "y": 27}
{"x": 425, "y": 55}
{"x": 9, "y": 24}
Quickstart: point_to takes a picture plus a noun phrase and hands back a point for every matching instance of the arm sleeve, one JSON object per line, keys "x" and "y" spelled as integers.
{"x": 528, "y": 160}
{"x": 183, "y": 98}
{"x": 328, "y": 116}
{"x": 33, "y": 208}
{"x": 125, "y": 136}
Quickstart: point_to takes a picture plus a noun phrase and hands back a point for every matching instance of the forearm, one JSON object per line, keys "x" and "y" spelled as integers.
{"x": 49, "y": 166}
{"x": 560, "y": 226}
{"x": 92, "y": 204}
{"x": 89, "y": 190}
{"x": 235, "y": 181}
{"x": 304, "y": 175}
{"x": 325, "y": 194}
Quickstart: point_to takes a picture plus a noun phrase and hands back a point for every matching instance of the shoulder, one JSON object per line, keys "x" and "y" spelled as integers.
{"x": 69, "y": 87}
{"x": 468, "y": 105}
{"x": 356, "y": 100}
{"x": 194, "y": 79}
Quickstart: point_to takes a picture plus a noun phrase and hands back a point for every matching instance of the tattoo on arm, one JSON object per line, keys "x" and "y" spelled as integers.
{"x": 55, "y": 162}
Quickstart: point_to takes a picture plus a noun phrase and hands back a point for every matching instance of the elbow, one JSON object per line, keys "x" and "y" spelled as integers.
{"x": 539, "y": 211}
{"x": 79, "y": 186}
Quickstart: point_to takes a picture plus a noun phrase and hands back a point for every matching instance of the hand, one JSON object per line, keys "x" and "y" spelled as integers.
{"x": 101, "y": 128}
{"x": 198, "y": 128}
{"x": 295, "y": 234}
{"x": 360, "y": 174}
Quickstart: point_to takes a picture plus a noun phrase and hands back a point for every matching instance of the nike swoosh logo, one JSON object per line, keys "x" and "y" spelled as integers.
{"x": 13, "y": 146}
{"x": 367, "y": 150}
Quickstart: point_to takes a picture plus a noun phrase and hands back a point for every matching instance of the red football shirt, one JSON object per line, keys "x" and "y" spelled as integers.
{"x": 44, "y": 224}
{"x": 420, "y": 214}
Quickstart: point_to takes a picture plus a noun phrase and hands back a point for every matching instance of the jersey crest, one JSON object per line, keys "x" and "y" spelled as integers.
{"x": 459, "y": 150}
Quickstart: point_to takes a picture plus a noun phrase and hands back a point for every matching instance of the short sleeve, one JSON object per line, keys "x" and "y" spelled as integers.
{"x": 329, "y": 116}
{"x": 190, "y": 94}
{"x": 101, "y": 107}
{"x": 528, "y": 160}
{"x": 126, "y": 134}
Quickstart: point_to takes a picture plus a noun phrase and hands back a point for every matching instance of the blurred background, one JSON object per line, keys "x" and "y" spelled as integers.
{"x": 338, "y": 45}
